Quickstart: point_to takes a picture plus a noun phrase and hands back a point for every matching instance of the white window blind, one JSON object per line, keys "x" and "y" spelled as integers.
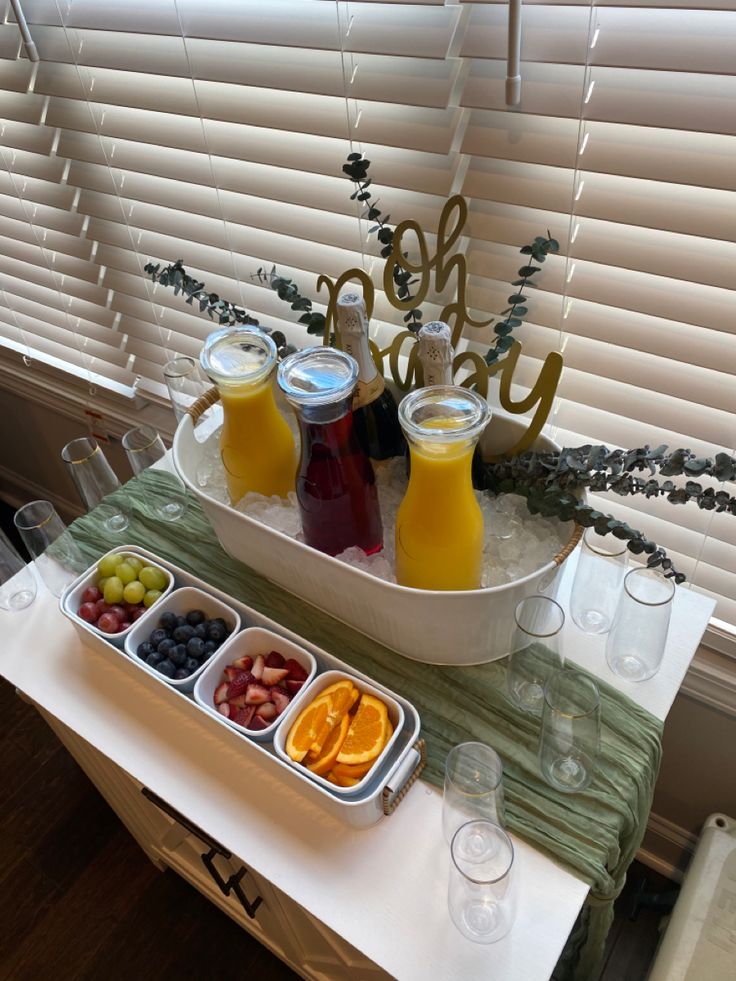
{"x": 215, "y": 132}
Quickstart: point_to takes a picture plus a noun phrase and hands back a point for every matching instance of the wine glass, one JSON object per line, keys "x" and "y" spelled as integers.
{"x": 482, "y": 885}
{"x": 94, "y": 479}
{"x": 571, "y": 720}
{"x": 636, "y": 641}
{"x": 143, "y": 446}
{"x": 473, "y": 787}
{"x": 58, "y": 558}
{"x": 186, "y": 383}
{"x": 535, "y": 651}
{"x": 597, "y": 584}
{"x": 17, "y": 581}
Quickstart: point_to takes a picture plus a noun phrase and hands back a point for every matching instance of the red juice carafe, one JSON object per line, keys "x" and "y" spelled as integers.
{"x": 335, "y": 483}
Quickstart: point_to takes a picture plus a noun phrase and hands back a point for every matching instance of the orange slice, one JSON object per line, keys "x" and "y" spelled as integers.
{"x": 367, "y": 734}
{"x": 342, "y": 696}
{"x": 357, "y": 772}
{"x": 342, "y": 781}
{"x": 304, "y": 729}
{"x": 323, "y": 764}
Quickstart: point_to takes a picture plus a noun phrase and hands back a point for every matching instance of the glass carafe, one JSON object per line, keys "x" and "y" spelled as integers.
{"x": 439, "y": 525}
{"x": 257, "y": 446}
{"x": 335, "y": 484}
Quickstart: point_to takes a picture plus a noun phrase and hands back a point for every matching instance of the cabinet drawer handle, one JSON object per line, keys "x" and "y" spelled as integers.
{"x": 226, "y": 886}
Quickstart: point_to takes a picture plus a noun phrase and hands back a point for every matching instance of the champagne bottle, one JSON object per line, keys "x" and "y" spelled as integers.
{"x": 375, "y": 414}
{"x": 436, "y": 356}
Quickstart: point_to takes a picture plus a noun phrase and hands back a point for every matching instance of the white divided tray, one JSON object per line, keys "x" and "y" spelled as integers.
{"x": 393, "y": 777}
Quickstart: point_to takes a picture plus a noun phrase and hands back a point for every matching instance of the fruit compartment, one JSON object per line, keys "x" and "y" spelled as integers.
{"x": 321, "y": 682}
{"x": 253, "y": 642}
{"x": 378, "y": 799}
{"x": 72, "y": 597}
{"x": 181, "y": 601}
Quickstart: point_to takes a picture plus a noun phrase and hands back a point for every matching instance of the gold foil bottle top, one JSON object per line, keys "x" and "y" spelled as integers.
{"x": 436, "y": 353}
{"x": 351, "y": 315}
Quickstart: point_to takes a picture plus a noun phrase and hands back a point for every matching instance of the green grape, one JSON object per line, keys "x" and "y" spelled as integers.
{"x": 101, "y": 583}
{"x": 107, "y": 565}
{"x": 126, "y": 573}
{"x": 134, "y": 592}
{"x": 134, "y": 561}
{"x": 113, "y": 591}
{"x": 150, "y": 597}
{"x": 153, "y": 578}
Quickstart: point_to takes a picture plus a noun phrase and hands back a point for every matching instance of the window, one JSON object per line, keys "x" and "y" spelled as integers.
{"x": 215, "y": 132}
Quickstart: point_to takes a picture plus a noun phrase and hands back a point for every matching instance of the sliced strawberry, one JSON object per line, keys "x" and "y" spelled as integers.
{"x": 272, "y": 676}
{"x": 239, "y": 684}
{"x": 239, "y": 702}
{"x": 244, "y": 716}
{"x": 258, "y": 666}
{"x": 243, "y": 663}
{"x": 221, "y": 693}
{"x": 257, "y": 723}
{"x": 267, "y": 711}
{"x": 274, "y": 660}
{"x": 280, "y": 700}
{"x": 231, "y": 672}
{"x": 257, "y": 695}
{"x": 224, "y": 709}
{"x": 293, "y": 686}
{"x": 295, "y": 670}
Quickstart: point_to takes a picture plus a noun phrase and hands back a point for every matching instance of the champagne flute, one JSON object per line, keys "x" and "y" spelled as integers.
{"x": 143, "y": 446}
{"x": 58, "y": 558}
{"x": 94, "y": 479}
{"x": 17, "y": 582}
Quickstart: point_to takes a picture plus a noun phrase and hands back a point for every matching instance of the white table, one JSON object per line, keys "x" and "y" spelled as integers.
{"x": 382, "y": 890}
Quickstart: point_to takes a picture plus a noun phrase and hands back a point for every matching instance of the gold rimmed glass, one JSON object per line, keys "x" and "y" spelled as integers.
{"x": 637, "y": 639}
{"x": 597, "y": 585}
{"x": 143, "y": 446}
{"x": 535, "y": 650}
{"x": 58, "y": 558}
{"x": 95, "y": 479}
{"x": 17, "y": 581}
{"x": 570, "y": 734}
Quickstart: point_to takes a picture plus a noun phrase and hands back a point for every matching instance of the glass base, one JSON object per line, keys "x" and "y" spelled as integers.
{"x": 480, "y": 922}
{"x": 116, "y": 522}
{"x": 529, "y": 696}
{"x": 592, "y": 621}
{"x": 18, "y": 600}
{"x": 632, "y": 668}
{"x": 568, "y": 773}
{"x": 171, "y": 511}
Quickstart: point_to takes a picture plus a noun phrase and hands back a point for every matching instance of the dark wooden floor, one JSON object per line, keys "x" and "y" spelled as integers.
{"x": 79, "y": 901}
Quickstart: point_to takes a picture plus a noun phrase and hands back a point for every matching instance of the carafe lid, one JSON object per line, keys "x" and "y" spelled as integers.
{"x": 443, "y": 414}
{"x": 237, "y": 355}
{"x": 317, "y": 376}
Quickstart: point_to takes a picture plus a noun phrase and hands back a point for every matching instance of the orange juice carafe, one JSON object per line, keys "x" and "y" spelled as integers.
{"x": 256, "y": 444}
{"x": 439, "y": 525}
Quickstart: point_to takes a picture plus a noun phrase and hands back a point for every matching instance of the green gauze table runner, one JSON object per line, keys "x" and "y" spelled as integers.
{"x": 595, "y": 833}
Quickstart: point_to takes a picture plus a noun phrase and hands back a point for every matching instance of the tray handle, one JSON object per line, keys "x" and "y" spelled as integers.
{"x": 392, "y": 800}
{"x": 203, "y": 403}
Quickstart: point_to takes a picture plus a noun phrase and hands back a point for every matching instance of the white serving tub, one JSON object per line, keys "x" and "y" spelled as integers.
{"x": 462, "y": 627}
{"x": 380, "y": 797}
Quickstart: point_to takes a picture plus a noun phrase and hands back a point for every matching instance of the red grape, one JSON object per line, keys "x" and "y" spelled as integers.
{"x": 124, "y": 625}
{"x": 119, "y": 612}
{"x": 109, "y": 623}
{"x": 102, "y": 607}
{"x": 88, "y": 612}
{"x": 137, "y": 613}
{"x": 91, "y": 595}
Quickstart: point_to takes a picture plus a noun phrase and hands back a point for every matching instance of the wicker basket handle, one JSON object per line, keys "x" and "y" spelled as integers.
{"x": 574, "y": 539}
{"x": 203, "y": 403}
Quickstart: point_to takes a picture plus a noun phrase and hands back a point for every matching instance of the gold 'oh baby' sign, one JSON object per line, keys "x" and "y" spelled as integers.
{"x": 444, "y": 263}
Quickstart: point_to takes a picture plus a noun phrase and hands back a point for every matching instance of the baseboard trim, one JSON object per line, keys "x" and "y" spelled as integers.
{"x": 712, "y": 681}
{"x": 667, "y": 847}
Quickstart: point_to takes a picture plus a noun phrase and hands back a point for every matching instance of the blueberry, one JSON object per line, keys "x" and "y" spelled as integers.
{"x": 144, "y": 650}
{"x": 168, "y": 620}
{"x": 195, "y": 647}
{"x": 178, "y": 655}
{"x": 181, "y": 621}
{"x": 183, "y": 634}
{"x": 181, "y": 673}
{"x": 154, "y": 658}
{"x": 195, "y": 617}
{"x": 166, "y": 668}
{"x": 200, "y": 631}
{"x": 216, "y": 632}
{"x": 164, "y": 648}
{"x": 191, "y": 664}
{"x": 157, "y": 636}
{"x": 209, "y": 647}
